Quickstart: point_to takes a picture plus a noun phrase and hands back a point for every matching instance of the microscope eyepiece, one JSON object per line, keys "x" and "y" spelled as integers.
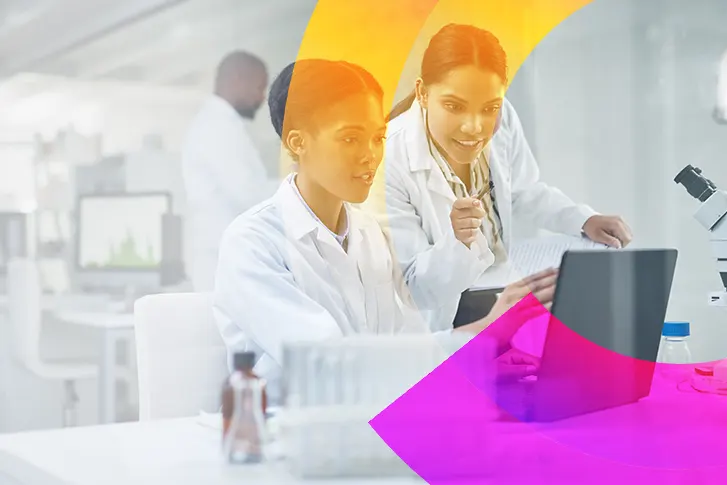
{"x": 697, "y": 185}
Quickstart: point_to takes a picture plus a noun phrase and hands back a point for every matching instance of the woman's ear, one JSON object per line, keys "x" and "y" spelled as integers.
{"x": 421, "y": 93}
{"x": 295, "y": 142}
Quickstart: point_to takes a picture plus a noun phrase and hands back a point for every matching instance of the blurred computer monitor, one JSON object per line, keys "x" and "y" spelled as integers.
{"x": 120, "y": 239}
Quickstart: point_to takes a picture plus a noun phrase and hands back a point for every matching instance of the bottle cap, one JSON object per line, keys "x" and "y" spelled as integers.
{"x": 244, "y": 360}
{"x": 675, "y": 329}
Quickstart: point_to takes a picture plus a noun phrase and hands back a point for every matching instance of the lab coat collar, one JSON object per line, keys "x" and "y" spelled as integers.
{"x": 299, "y": 222}
{"x": 223, "y": 106}
{"x": 220, "y": 107}
{"x": 416, "y": 138}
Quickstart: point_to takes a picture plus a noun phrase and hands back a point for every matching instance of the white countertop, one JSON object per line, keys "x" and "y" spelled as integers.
{"x": 179, "y": 452}
{"x": 188, "y": 451}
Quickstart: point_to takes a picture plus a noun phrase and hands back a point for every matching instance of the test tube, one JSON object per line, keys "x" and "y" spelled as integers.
{"x": 311, "y": 394}
{"x": 349, "y": 377}
{"x": 293, "y": 376}
{"x": 330, "y": 377}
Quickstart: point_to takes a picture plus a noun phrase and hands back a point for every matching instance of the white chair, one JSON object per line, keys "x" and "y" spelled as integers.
{"x": 25, "y": 313}
{"x": 181, "y": 357}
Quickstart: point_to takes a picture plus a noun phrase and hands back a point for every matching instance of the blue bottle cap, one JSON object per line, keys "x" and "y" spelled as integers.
{"x": 675, "y": 329}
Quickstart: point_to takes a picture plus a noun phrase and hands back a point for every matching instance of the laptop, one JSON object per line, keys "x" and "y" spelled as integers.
{"x": 603, "y": 336}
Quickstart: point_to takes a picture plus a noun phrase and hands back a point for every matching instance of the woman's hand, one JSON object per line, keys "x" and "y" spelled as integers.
{"x": 609, "y": 230}
{"x": 516, "y": 364}
{"x": 541, "y": 285}
{"x": 466, "y": 216}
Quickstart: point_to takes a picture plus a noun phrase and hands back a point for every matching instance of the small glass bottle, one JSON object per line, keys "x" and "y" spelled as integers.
{"x": 243, "y": 364}
{"x": 245, "y": 438}
{"x": 674, "y": 355}
{"x": 243, "y": 411}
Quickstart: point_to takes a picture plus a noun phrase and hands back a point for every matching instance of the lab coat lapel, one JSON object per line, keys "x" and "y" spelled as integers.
{"x": 421, "y": 157}
{"x": 372, "y": 260}
{"x": 344, "y": 268}
{"x": 437, "y": 183}
{"x": 442, "y": 200}
{"x": 314, "y": 249}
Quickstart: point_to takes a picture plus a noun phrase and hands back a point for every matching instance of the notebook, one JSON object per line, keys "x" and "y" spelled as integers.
{"x": 530, "y": 256}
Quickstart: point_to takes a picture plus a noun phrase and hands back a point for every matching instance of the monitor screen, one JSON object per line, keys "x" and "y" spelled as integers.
{"x": 121, "y": 232}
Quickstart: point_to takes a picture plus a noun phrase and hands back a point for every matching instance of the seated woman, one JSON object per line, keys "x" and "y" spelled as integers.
{"x": 306, "y": 264}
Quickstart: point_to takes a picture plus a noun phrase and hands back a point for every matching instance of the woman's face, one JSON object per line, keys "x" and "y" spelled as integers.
{"x": 462, "y": 111}
{"x": 344, "y": 151}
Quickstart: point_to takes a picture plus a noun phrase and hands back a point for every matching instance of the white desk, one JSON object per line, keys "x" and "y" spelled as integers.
{"x": 180, "y": 452}
{"x": 113, "y": 327}
{"x": 183, "y": 452}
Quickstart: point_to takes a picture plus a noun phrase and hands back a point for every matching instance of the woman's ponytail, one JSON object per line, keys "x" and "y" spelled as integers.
{"x": 402, "y": 106}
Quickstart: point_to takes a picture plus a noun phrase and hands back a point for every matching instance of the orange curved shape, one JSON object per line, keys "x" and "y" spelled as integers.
{"x": 385, "y": 36}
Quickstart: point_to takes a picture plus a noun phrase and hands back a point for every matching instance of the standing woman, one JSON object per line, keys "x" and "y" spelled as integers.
{"x": 458, "y": 169}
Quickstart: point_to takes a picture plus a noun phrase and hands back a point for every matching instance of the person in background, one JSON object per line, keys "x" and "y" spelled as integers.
{"x": 458, "y": 170}
{"x": 222, "y": 169}
{"x": 308, "y": 265}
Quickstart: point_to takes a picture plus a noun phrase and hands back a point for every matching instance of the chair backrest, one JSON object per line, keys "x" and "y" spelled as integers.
{"x": 24, "y": 310}
{"x": 181, "y": 357}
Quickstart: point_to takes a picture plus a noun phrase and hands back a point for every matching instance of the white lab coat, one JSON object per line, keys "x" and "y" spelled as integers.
{"x": 223, "y": 177}
{"x": 414, "y": 201}
{"x": 283, "y": 277}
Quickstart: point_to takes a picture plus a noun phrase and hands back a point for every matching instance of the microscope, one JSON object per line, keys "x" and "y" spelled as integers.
{"x": 711, "y": 215}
